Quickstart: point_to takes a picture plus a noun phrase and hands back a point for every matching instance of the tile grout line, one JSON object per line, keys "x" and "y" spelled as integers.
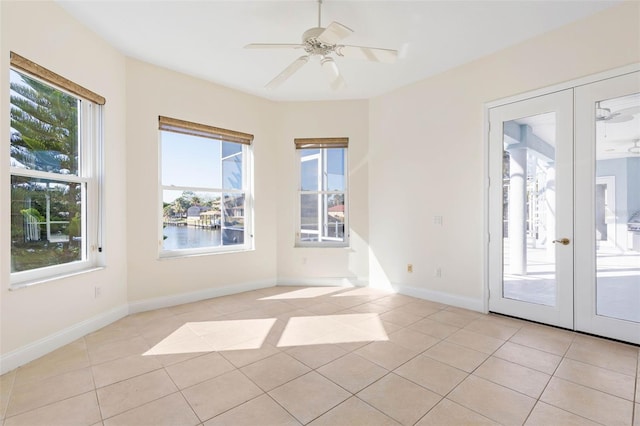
{"x": 552, "y": 375}
{"x": 51, "y": 403}
{"x": 164, "y": 367}
{"x": 11, "y": 387}
{"x": 95, "y": 388}
{"x": 461, "y": 381}
{"x": 591, "y": 387}
{"x": 497, "y": 384}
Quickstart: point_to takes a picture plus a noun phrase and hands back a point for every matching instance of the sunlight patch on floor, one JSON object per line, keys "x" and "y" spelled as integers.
{"x": 305, "y": 293}
{"x": 210, "y": 336}
{"x": 363, "y": 291}
{"x": 326, "y": 329}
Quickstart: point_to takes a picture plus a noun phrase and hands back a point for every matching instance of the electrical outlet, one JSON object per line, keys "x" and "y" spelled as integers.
{"x": 438, "y": 272}
{"x": 437, "y": 220}
{"x": 97, "y": 292}
{"x": 409, "y": 267}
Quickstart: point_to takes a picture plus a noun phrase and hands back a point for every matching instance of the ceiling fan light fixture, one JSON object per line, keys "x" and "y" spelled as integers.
{"x": 332, "y": 72}
{"x": 329, "y": 65}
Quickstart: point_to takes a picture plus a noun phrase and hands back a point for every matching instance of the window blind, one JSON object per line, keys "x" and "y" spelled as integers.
{"x": 23, "y": 64}
{"x": 315, "y": 143}
{"x": 203, "y": 130}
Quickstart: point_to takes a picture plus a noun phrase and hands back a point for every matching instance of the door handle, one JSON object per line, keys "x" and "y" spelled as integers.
{"x": 563, "y": 241}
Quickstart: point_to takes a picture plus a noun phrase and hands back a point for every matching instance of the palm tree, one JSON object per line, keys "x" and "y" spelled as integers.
{"x": 45, "y": 124}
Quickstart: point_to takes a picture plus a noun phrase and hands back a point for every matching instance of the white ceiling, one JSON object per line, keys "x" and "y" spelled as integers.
{"x": 205, "y": 38}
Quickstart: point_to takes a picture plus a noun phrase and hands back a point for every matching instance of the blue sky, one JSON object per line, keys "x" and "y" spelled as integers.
{"x": 192, "y": 161}
{"x": 187, "y": 161}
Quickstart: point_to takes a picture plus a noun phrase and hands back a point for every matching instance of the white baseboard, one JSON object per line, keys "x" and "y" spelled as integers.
{"x": 35, "y": 350}
{"x": 440, "y": 297}
{"x": 322, "y": 282}
{"x": 195, "y": 296}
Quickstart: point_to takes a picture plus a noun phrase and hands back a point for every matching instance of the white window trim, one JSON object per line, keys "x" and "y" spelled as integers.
{"x": 90, "y": 175}
{"x": 325, "y": 242}
{"x": 247, "y": 183}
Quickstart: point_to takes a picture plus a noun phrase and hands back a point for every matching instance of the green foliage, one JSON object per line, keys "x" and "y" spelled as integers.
{"x": 180, "y": 205}
{"x": 336, "y": 200}
{"x": 33, "y": 212}
{"x": 74, "y": 226}
{"x": 46, "y": 119}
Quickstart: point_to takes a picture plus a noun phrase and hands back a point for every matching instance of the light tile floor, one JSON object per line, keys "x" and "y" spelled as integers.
{"x": 325, "y": 356}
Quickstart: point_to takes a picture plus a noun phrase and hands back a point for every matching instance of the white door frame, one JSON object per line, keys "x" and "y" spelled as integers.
{"x": 485, "y": 134}
{"x": 561, "y": 313}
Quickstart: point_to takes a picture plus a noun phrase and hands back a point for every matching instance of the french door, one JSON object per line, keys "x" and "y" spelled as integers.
{"x": 564, "y": 198}
{"x": 607, "y": 220}
{"x": 531, "y": 209}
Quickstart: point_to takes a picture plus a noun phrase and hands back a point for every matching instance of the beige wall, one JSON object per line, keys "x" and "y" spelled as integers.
{"x": 154, "y": 91}
{"x": 68, "y": 48}
{"x": 323, "y": 119}
{"x": 426, "y": 150}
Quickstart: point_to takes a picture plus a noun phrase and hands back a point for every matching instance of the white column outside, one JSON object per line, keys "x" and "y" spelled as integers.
{"x": 518, "y": 211}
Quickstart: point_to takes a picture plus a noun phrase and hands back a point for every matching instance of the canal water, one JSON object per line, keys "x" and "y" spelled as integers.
{"x": 185, "y": 237}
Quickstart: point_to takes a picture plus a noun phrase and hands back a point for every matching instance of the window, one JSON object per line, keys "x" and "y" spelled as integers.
{"x": 205, "y": 189}
{"x": 322, "y": 192}
{"x": 54, "y": 145}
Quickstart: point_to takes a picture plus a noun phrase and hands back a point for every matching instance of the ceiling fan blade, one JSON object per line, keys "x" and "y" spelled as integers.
{"x": 273, "y": 46}
{"x": 288, "y": 72}
{"x": 333, "y": 73}
{"x": 619, "y": 118}
{"x": 334, "y": 33}
{"x": 630, "y": 110}
{"x": 388, "y": 56}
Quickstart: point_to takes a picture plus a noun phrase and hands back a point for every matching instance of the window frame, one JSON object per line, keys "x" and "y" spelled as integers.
{"x": 200, "y": 130}
{"x": 89, "y": 176}
{"x": 322, "y": 144}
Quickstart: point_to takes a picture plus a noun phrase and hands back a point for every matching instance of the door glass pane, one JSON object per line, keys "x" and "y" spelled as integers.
{"x": 617, "y": 208}
{"x": 529, "y": 206}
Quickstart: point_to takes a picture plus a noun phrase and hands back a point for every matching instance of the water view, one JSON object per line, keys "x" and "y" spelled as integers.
{"x": 187, "y": 237}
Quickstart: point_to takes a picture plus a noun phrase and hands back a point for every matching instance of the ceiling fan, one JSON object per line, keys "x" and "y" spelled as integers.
{"x": 323, "y": 42}
{"x": 620, "y": 116}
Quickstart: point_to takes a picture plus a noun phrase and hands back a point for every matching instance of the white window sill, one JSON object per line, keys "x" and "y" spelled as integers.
{"x": 323, "y": 245}
{"x": 24, "y": 284}
{"x": 177, "y": 255}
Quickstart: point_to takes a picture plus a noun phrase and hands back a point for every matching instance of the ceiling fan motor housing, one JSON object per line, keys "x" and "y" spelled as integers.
{"x": 312, "y": 45}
